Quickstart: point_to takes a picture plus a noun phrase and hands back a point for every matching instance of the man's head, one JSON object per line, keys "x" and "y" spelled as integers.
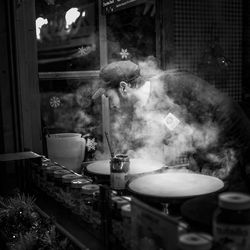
{"x": 118, "y": 80}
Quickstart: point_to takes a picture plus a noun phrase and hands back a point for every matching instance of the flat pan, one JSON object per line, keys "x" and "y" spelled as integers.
{"x": 174, "y": 185}
{"x": 137, "y": 166}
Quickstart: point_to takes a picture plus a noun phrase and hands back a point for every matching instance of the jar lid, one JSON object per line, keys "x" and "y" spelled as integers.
{"x": 195, "y": 241}
{"x": 48, "y": 164}
{"x": 234, "y": 201}
{"x": 90, "y": 188}
{"x": 44, "y": 159}
{"x": 52, "y": 169}
{"x": 126, "y": 210}
{"x": 45, "y": 165}
{"x": 67, "y": 178}
{"x": 128, "y": 198}
{"x": 118, "y": 201}
{"x": 120, "y": 157}
{"x": 60, "y": 173}
{"x": 78, "y": 183}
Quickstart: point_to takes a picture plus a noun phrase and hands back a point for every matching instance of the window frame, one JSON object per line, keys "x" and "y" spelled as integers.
{"x": 163, "y": 19}
{"x": 84, "y": 74}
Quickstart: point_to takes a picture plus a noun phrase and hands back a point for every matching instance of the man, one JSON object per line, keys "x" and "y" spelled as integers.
{"x": 168, "y": 114}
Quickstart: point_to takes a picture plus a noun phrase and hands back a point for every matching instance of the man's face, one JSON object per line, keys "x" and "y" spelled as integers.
{"x": 121, "y": 98}
{"x": 126, "y": 97}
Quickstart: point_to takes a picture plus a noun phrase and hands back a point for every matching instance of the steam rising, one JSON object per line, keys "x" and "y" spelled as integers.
{"x": 139, "y": 129}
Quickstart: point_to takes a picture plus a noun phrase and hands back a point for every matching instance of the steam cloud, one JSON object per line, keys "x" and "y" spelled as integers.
{"x": 140, "y": 131}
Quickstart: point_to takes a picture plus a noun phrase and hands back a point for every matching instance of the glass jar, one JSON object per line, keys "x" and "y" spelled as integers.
{"x": 87, "y": 201}
{"x": 42, "y": 175}
{"x": 119, "y": 168}
{"x": 96, "y": 202}
{"x": 58, "y": 176}
{"x": 66, "y": 186}
{"x": 195, "y": 241}
{"x": 50, "y": 179}
{"x": 76, "y": 191}
{"x": 126, "y": 213}
{"x": 116, "y": 203}
{"x": 96, "y": 211}
{"x": 126, "y": 225}
{"x": 35, "y": 171}
{"x": 58, "y": 183}
{"x": 231, "y": 221}
{"x": 66, "y": 181}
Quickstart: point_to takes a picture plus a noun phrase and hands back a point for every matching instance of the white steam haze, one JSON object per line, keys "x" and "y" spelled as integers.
{"x": 140, "y": 130}
{"x": 72, "y": 116}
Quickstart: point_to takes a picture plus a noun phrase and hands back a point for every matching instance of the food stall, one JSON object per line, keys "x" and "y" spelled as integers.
{"x": 92, "y": 215}
{"x": 91, "y": 176}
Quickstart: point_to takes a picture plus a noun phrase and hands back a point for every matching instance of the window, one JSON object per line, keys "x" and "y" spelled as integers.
{"x": 131, "y": 33}
{"x": 67, "y": 35}
{"x": 75, "y": 38}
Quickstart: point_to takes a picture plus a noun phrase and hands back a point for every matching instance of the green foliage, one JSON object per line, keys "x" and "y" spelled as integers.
{"x": 25, "y": 229}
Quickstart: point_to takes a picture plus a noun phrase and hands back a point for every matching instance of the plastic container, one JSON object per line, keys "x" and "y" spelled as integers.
{"x": 231, "y": 221}
{"x": 68, "y": 149}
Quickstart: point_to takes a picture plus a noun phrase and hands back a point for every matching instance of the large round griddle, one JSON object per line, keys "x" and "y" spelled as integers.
{"x": 174, "y": 185}
{"x": 137, "y": 166}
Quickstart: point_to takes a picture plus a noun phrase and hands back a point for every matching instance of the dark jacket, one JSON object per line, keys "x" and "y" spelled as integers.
{"x": 213, "y": 131}
{"x": 203, "y": 107}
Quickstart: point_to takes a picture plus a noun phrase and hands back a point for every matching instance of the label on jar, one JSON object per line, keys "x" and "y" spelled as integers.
{"x": 117, "y": 180}
{"x": 236, "y": 234}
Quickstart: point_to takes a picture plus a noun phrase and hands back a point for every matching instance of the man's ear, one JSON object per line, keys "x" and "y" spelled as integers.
{"x": 123, "y": 87}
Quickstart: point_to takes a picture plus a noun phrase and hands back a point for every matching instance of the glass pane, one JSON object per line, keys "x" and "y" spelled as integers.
{"x": 67, "y": 35}
{"x": 66, "y": 106}
{"x": 131, "y": 32}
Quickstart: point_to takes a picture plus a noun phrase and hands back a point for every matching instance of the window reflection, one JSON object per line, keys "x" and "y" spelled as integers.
{"x": 67, "y": 35}
{"x": 131, "y": 32}
{"x": 66, "y": 106}
{"x": 68, "y": 40}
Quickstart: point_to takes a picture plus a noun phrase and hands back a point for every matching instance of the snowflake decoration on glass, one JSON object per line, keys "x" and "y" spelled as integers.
{"x": 91, "y": 144}
{"x": 55, "y": 102}
{"x": 124, "y": 54}
{"x": 83, "y": 51}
